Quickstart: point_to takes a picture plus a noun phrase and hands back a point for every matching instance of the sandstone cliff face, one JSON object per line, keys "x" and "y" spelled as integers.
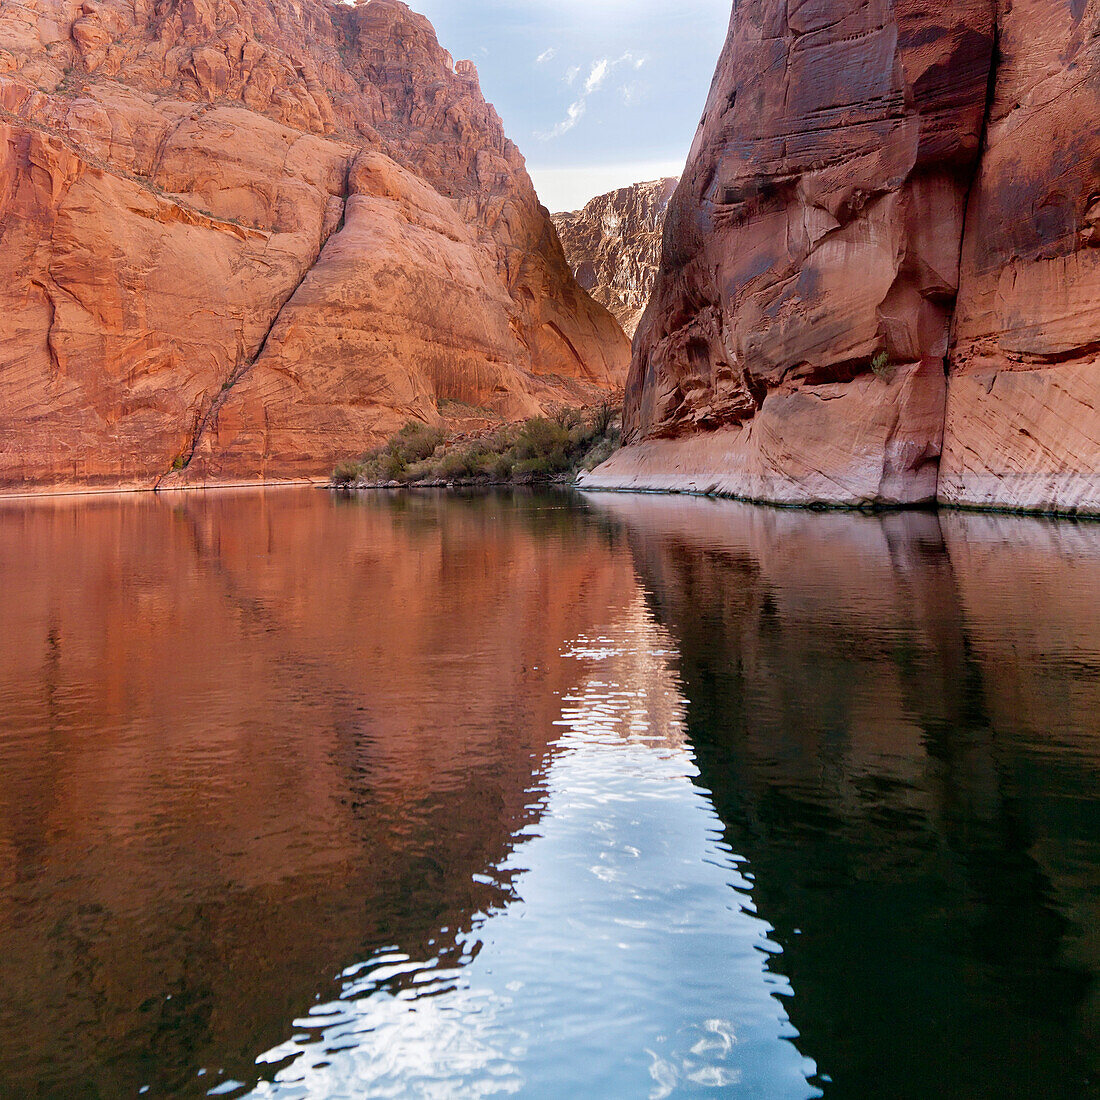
{"x": 901, "y": 185}
{"x": 241, "y": 240}
{"x": 613, "y": 246}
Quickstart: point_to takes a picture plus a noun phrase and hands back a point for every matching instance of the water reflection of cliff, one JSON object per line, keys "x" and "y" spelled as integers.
{"x": 248, "y": 741}
{"x": 899, "y": 719}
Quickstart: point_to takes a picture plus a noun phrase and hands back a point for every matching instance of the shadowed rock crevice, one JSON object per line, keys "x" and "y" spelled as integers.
{"x": 209, "y": 419}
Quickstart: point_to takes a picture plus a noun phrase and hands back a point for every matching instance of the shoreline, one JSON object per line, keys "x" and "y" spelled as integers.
{"x": 157, "y": 490}
{"x": 934, "y": 507}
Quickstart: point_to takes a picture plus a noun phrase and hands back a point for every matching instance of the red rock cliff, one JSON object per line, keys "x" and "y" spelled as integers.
{"x": 613, "y": 246}
{"x": 888, "y": 224}
{"x": 243, "y": 240}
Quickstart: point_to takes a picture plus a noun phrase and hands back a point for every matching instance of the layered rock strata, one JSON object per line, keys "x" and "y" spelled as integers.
{"x": 880, "y": 280}
{"x": 613, "y": 246}
{"x": 241, "y": 240}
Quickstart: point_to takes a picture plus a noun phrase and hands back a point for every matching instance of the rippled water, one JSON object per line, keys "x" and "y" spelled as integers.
{"x": 545, "y": 795}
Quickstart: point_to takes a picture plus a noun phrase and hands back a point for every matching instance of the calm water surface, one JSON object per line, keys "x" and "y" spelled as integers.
{"x": 545, "y": 795}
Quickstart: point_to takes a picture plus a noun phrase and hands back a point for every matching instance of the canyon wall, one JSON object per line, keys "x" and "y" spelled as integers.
{"x": 880, "y": 280}
{"x": 613, "y": 246}
{"x": 242, "y": 240}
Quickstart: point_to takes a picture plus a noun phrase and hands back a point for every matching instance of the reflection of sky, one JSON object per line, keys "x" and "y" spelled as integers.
{"x": 632, "y": 962}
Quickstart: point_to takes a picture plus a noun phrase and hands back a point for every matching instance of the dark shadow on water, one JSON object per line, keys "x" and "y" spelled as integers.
{"x": 898, "y": 720}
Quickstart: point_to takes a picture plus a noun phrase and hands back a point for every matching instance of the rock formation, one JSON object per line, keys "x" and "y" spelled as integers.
{"x": 613, "y": 246}
{"x": 243, "y": 240}
{"x": 881, "y": 280}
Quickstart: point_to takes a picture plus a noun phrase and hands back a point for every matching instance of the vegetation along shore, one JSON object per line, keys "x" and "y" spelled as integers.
{"x": 541, "y": 450}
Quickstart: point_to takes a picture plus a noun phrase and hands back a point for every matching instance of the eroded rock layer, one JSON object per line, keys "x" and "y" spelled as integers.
{"x": 887, "y": 225}
{"x": 241, "y": 240}
{"x": 613, "y": 246}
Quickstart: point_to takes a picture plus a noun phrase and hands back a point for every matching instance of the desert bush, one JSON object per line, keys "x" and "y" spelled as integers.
{"x": 567, "y": 417}
{"x": 346, "y": 473}
{"x": 541, "y": 449}
{"x": 604, "y": 416}
{"x": 415, "y": 442}
{"x": 598, "y": 454}
{"x": 498, "y": 466}
{"x": 458, "y": 463}
{"x": 532, "y": 469}
{"x": 540, "y": 437}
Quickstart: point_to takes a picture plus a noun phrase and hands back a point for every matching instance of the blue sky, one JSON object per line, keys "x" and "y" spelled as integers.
{"x": 596, "y": 93}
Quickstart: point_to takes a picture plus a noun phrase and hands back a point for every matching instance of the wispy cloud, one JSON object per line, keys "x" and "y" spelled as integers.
{"x": 546, "y": 55}
{"x": 598, "y": 73}
{"x": 597, "y": 76}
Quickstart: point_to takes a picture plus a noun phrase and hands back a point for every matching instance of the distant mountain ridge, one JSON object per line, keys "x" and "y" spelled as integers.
{"x": 613, "y": 246}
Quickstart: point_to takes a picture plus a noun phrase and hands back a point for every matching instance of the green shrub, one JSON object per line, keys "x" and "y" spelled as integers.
{"x": 599, "y": 454}
{"x": 540, "y": 437}
{"x": 567, "y": 417}
{"x": 346, "y": 473}
{"x": 532, "y": 469}
{"x": 604, "y": 417}
{"x": 457, "y": 463}
{"x": 537, "y": 450}
{"x": 498, "y": 466}
{"x": 880, "y": 364}
{"x": 415, "y": 442}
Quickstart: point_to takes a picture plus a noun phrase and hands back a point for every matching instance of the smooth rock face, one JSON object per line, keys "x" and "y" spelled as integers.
{"x": 1023, "y": 423}
{"x": 241, "y": 240}
{"x": 870, "y": 232}
{"x": 613, "y": 246}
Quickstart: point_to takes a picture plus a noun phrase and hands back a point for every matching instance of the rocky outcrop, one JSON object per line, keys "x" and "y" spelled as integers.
{"x": 242, "y": 240}
{"x": 880, "y": 280}
{"x": 613, "y": 246}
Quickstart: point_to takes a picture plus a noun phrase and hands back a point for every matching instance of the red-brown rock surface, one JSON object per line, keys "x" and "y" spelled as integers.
{"x": 1023, "y": 414}
{"x": 903, "y": 185}
{"x": 251, "y": 239}
{"x": 613, "y": 246}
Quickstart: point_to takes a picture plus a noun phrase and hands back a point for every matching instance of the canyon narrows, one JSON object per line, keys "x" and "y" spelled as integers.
{"x": 880, "y": 281}
{"x": 242, "y": 241}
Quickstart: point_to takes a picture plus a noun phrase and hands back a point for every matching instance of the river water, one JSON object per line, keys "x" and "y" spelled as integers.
{"x": 545, "y": 795}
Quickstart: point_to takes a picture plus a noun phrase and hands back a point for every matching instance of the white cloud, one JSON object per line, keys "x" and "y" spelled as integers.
{"x": 572, "y": 73}
{"x": 572, "y": 117}
{"x": 597, "y": 77}
{"x": 546, "y": 55}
